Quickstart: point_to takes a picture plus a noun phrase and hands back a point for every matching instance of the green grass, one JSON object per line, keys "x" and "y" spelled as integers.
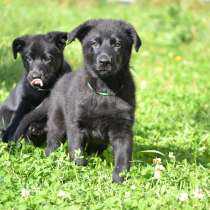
{"x": 173, "y": 113}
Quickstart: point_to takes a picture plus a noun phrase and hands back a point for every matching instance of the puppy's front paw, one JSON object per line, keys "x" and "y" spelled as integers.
{"x": 116, "y": 178}
{"x": 2, "y": 133}
{"x": 7, "y": 135}
{"x": 51, "y": 148}
{"x": 48, "y": 151}
{"x": 80, "y": 162}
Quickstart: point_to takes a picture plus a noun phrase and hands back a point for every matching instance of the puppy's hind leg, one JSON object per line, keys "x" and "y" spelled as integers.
{"x": 56, "y": 130}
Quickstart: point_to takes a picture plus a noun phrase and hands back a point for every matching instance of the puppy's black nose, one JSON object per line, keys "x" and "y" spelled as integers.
{"x": 104, "y": 60}
{"x": 35, "y": 74}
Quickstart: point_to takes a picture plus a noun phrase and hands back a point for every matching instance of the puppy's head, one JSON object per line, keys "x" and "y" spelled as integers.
{"x": 42, "y": 57}
{"x": 106, "y": 45}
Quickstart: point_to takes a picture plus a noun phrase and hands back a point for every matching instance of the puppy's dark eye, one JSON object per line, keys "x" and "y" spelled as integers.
{"x": 47, "y": 59}
{"x": 94, "y": 43}
{"x": 117, "y": 44}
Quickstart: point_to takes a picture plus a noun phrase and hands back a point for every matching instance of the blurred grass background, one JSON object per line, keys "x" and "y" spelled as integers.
{"x": 179, "y": 22}
{"x": 171, "y": 71}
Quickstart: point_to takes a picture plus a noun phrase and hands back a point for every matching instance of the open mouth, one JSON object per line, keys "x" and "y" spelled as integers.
{"x": 37, "y": 83}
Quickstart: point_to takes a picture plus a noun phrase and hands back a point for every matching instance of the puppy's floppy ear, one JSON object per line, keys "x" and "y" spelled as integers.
{"x": 130, "y": 30}
{"x": 80, "y": 31}
{"x": 58, "y": 37}
{"x": 17, "y": 45}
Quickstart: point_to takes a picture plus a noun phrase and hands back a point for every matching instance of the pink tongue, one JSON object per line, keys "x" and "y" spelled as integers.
{"x": 37, "y": 82}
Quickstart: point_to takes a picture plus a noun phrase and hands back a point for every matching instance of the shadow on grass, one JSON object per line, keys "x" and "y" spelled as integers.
{"x": 202, "y": 117}
{"x": 180, "y": 154}
{"x": 138, "y": 155}
{"x": 196, "y": 152}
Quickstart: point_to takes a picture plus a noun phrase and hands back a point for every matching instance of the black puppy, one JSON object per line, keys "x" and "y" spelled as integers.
{"x": 95, "y": 105}
{"x": 43, "y": 61}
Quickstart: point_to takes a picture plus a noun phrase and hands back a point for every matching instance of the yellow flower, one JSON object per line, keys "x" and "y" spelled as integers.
{"x": 156, "y": 161}
{"x": 178, "y": 58}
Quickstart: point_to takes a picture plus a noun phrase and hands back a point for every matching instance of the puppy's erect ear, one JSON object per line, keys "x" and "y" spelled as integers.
{"x": 80, "y": 31}
{"x": 17, "y": 45}
{"x": 59, "y": 38}
{"x": 130, "y": 30}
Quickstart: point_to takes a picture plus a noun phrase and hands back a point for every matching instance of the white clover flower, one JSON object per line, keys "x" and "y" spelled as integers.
{"x": 127, "y": 194}
{"x": 183, "y": 197}
{"x": 25, "y": 193}
{"x": 198, "y": 193}
{"x": 61, "y": 194}
{"x": 157, "y": 174}
{"x": 133, "y": 187}
{"x": 171, "y": 155}
{"x": 158, "y": 169}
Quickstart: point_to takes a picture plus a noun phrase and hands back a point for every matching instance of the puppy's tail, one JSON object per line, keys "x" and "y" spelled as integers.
{"x": 37, "y": 114}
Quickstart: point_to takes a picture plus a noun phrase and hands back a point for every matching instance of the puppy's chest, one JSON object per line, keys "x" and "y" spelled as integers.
{"x": 101, "y": 109}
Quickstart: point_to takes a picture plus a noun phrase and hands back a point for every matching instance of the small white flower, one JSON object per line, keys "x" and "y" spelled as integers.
{"x": 158, "y": 169}
{"x": 127, "y": 194}
{"x": 25, "y": 193}
{"x": 133, "y": 187}
{"x": 183, "y": 197}
{"x": 198, "y": 193}
{"x": 171, "y": 155}
{"x": 61, "y": 194}
{"x": 157, "y": 174}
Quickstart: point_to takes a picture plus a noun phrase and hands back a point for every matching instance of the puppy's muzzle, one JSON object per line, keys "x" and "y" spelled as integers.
{"x": 35, "y": 79}
{"x": 104, "y": 61}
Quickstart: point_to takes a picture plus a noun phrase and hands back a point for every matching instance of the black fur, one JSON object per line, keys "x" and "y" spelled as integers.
{"x": 89, "y": 119}
{"x": 42, "y": 58}
{"x": 33, "y": 124}
{"x": 94, "y": 107}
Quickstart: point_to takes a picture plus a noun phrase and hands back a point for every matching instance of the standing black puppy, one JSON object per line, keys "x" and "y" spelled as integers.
{"x": 43, "y": 61}
{"x": 95, "y": 105}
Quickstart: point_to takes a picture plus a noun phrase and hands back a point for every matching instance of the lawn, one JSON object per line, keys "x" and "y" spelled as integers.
{"x": 170, "y": 167}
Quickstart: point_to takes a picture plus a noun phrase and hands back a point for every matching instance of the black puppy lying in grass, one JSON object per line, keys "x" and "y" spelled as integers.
{"x": 43, "y": 61}
{"x": 95, "y": 106}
